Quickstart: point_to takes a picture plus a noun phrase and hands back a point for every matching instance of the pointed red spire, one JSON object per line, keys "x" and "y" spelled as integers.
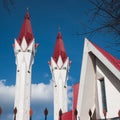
{"x": 59, "y": 49}
{"x": 26, "y": 30}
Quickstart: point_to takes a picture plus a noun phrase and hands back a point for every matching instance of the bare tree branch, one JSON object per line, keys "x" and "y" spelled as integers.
{"x": 107, "y": 14}
{"x": 7, "y": 4}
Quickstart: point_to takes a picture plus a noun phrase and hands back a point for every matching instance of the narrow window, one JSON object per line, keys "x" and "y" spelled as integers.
{"x": 55, "y": 68}
{"x": 64, "y": 68}
{"x": 103, "y": 92}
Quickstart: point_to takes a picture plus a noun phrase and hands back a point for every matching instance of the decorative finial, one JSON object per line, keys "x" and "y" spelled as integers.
{"x": 59, "y": 28}
{"x": 27, "y": 9}
{"x": 27, "y": 16}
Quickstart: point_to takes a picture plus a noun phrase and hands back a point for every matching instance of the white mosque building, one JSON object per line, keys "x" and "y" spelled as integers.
{"x": 96, "y": 97}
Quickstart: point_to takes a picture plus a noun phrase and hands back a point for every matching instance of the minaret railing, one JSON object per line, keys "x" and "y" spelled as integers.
{"x": 45, "y": 113}
{"x": 15, "y": 112}
{"x": 76, "y": 117}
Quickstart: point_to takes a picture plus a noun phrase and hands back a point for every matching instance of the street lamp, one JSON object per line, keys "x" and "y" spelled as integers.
{"x": 90, "y": 114}
{"x": 119, "y": 113}
{"x": 45, "y": 113}
{"x": 60, "y": 114}
{"x": 30, "y": 112}
{"x": 15, "y": 112}
{"x": 105, "y": 113}
{"x": 0, "y": 110}
{"x": 75, "y": 113}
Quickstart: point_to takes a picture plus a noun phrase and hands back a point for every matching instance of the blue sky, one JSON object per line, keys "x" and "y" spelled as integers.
{"x": 71, "y": 16}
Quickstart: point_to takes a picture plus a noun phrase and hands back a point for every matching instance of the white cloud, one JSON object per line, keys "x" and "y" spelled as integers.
{"x": 6, "y": 100}
{"x": 42, "y": 97}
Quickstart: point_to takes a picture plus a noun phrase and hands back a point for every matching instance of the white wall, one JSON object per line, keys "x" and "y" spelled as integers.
{"x": 112, "y": 92}
{"x": 86, "y": 96}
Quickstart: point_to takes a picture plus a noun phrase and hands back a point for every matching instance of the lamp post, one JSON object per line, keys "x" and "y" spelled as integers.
{"x": 15, "y": 112}
{"x": 30, "y": 112}
{"x": 0, "y": 110}
{"x": 75, "y": 113}
{"x": 119, "y": 113}
{"x": 60, "y": 114}
{"x": 45, "y": 113}
{"x": 105, "y": 113}
{"x": 90, "y": 114}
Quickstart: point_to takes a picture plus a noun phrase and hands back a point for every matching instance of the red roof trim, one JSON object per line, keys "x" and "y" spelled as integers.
{"x": 112, "y": 59}
{"x": 59, "y": 49}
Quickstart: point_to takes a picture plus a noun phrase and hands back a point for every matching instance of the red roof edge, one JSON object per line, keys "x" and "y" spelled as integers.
{"x": 114, "y": 61}
{"x": 67, "y": 115}
{"x": 59, "y": 49}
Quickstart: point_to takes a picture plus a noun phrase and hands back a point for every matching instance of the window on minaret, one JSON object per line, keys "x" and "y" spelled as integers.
{"x": 103, "y": 92}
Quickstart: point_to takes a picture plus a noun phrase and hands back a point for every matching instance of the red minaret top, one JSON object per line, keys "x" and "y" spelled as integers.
{"x": 59, "y": 49}
{"x": 26, "y": 30}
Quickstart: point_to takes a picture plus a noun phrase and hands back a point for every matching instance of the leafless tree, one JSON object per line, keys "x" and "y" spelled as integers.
{"x": 106, "y": 13}
{"x": 104, "y": 18}
{"x": 8, "y": 4}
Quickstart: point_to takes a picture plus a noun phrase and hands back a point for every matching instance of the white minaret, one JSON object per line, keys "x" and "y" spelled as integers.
{"x": 59, "y": 66}
{"x": 24, "y": 49}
